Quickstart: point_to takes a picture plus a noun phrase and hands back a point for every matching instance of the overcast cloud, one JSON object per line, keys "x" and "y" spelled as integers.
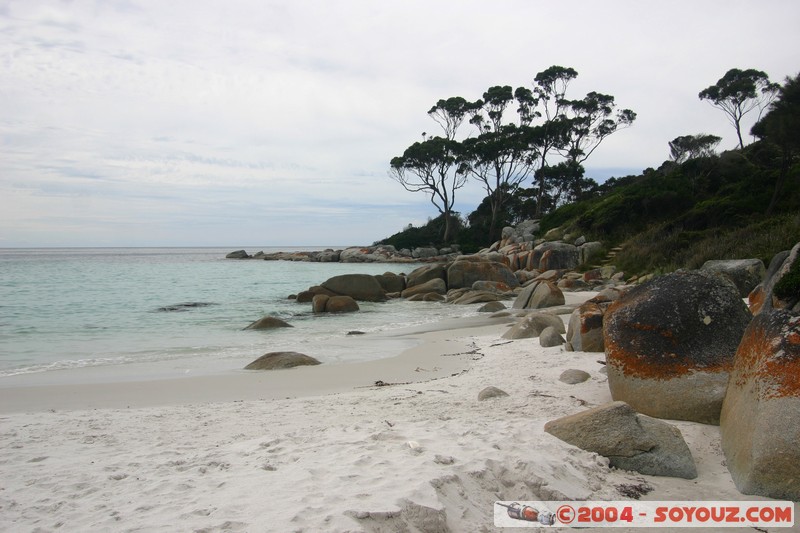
{"x": 259, "y": 123}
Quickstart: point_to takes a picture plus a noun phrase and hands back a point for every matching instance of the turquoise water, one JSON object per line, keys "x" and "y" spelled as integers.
{"x": 144, "y": 312}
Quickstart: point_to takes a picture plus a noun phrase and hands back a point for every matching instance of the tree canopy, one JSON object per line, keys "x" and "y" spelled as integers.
{"x": 526, "y": 147}
{"x": 545, "y": 137}
{"x": 428, "y": 167}
{"x": 738, "y": 92}
{"x": 691, "y": 146}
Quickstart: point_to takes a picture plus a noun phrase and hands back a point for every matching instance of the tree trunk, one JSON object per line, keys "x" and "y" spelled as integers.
{"x": 539, "y": 197}
{"x": 739, "y": 134}
{"x": 447, "y": 227}
{"x": 495, "y": 204}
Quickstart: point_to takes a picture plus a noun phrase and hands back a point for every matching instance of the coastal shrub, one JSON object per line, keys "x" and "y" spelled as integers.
{"x": 563, "y": 215}
{"x": 632, "y": 208}
{"x": 658, "y": 248}
{"x": 669, "y": 246}
{"x": 429, "y": 234}
{"x": 715, "y": 212}
{"x": 758, "y": 240}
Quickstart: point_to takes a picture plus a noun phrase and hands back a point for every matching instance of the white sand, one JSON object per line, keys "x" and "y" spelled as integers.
{"x": 206, "y": 454}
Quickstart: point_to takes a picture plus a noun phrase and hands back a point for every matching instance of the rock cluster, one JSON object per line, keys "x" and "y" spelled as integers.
{"x": 518, "y": 248}
{"x": 554, "y": 251}
{"x": 682, "y": 346}
{"x": 355, "y": 254}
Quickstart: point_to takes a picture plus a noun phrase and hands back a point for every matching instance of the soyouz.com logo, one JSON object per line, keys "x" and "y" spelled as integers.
{"x": 670, "y": 514}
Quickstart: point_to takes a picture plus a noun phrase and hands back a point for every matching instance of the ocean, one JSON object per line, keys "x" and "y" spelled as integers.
{"x": 88, "y": 314}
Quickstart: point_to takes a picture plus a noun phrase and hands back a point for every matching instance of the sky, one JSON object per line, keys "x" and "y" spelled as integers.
{"x": 272, "y": 123}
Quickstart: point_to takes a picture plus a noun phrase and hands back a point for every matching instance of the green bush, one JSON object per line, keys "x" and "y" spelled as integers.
{"x": 788, "y": 287}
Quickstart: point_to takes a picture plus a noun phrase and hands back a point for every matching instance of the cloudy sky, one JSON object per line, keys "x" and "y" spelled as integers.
{"x": 272, "y": 123}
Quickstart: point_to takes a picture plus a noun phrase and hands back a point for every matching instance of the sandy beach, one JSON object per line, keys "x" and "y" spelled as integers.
{"x": 324, "y": 448}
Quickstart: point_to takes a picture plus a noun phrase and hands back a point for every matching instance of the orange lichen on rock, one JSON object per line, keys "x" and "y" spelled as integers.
{"x": 591, "y": 317}
{"x": 756, "y": 298}
{"x": 769, "y": 354}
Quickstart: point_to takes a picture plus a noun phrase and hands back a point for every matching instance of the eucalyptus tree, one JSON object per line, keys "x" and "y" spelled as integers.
{"x": 591, "y": 120}
{"x": 497, "y": 159}
{"x": 738, "y": 92}
{"x": 549, "y": 94}
{"x": 498, "y": 156}
{"x": 494, "y": 103}
{"x": 565, "y": 182}
{"x": 571, "y": 128}
{"x": 550, "y": 89}
{"x": 430, "y": 167}
{"x": 450, "y": 113}
{"x": 508, "y": 149}
{"x": 688, "y": 147}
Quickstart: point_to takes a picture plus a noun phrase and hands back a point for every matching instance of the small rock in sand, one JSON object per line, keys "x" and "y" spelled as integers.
{"x": 414, "y": 447}
{"x": 573, "y": 376}
{"x": 492, "y": 307}
{"x": 491, "y": 392}
{"x": 280, "y": 360}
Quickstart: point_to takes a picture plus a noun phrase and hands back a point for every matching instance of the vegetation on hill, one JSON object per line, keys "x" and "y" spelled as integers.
{"x": 697, "y": 206}
{"x": 547, "y": 140}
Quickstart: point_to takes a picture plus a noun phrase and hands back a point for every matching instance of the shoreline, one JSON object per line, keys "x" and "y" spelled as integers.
{"x": 440, "y": 353}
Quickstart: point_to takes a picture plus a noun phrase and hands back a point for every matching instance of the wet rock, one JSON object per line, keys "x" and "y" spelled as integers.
{"x": 436, "y": 285}
{"x": 238, "y": 254}
{"x": 426, "y": 273}
{"x": 269, "y": 322}
{"x": 308, "y": 296}
{"x": 358, "y": 286}
{"x": 322, "y": 303}
{"x": 492, "y": 307}
{"x": 186, "y": 306}
{"x": 341, "y": 304}
{"x": 473, "y": 297}
{"x": 391, "y": 282}
{"x": 281, "y": 360}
